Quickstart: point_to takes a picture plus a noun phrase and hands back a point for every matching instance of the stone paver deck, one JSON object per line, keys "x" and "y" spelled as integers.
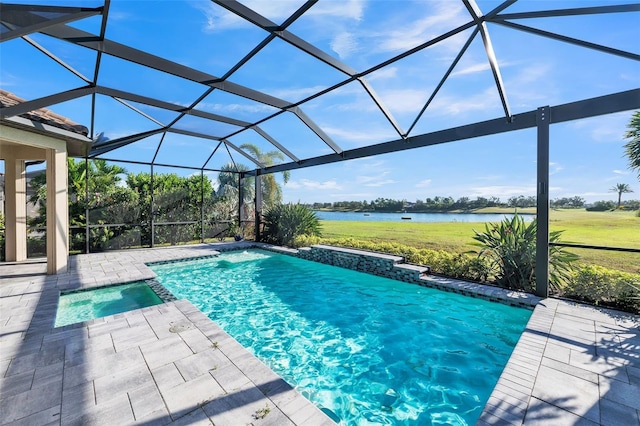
{"x": 166, "y": 364}
{"x": 170, "y": 364}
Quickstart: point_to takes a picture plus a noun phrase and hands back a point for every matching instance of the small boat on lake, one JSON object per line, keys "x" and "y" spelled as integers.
{"x": 405, "y": 218}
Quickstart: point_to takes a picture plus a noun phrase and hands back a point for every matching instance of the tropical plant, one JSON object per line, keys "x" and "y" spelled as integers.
{"x": 601, "y": 206}
{"x": 599, "y": 285}
{"x": 176, "y": 199}
{"x": 284, "y": 222}
{"x": 632, "y": 148}
{"x": 229, "y": 187}
{"x": 511, "y": 247}
{"x": 620, "y": 188}
{"x": 271, "y": 190}
{"x": 103, "y": 180}
{"x": 590, "y": 283}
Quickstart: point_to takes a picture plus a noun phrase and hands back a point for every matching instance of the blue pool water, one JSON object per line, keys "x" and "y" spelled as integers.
{"x": 369, "y": 349}
{"x": 97, "y": 303}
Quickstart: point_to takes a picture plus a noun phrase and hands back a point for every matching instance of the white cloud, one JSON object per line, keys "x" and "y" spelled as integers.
{"x": 590, "y": 194}
{"x": 367, "y": 179}
{"x": 9, "y": 79}
{"x": 532, "y": 84}
{"x": 365, "y": 163}
{"x": 472, "y": 69}
{"x": 423, "y": 183}
{"x": 629, "y": 77}
{"x": 621, "y": 172}
{"x": 350, "y": 9}
{"x": 405, "y": 100}
{"x": 443, "y": 17}
{"x": 120, "y": 16}
{"x": 380, "y": 183}
{"x": 344, "y": 44}
{"x": 554, "y": 168}
{"x": 502, "y": 191}
{"x": 218, "y": 18}
{"x": 376, "y": 180}
{"x": 384, "y": 73}
{"x": 606, "y": 133}
{"x": 294, "y": 93}
{"x": 448, "y": 105}
{"x": 273, "y": 10}
{"x": 531, "y": 73}
{"x": 368, "y": 136}
{"x": 609, "y": 128}
{"x": 352, "y": 196}
{"x": 313, "y": 184}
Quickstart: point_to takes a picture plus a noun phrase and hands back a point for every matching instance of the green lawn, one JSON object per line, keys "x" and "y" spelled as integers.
{"x": 611, "y": 229}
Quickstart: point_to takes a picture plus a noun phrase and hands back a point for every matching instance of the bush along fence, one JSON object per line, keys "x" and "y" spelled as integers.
{"x": 588, "y": 283}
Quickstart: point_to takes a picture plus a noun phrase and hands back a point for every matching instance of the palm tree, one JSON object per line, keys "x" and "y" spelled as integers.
{"x": 621, "y": 188}
{"x": 632, "y": 148}
{"x": 103, "y": 177}
{"x": 228, "y": 182}
{"x": 271, "y": 190}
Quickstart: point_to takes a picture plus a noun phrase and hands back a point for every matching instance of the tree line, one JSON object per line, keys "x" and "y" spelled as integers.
{"x": 447, "y": 204}
{"x": 125, "y": 209}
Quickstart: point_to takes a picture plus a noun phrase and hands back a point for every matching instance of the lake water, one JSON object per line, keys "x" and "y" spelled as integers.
{"x": 417, "y": 217}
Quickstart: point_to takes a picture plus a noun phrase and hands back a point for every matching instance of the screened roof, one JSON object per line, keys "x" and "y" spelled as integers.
{"x": 187, "y": 83}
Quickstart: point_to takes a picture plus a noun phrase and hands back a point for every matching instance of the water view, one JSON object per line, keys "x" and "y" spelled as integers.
{"x": 417, "y": 217}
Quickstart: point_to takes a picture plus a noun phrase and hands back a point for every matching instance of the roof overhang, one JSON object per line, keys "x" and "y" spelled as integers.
{"x": 77, "y": 144}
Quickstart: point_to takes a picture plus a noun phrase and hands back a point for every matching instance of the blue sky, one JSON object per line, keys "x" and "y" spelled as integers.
{"x": 586, "y": 156}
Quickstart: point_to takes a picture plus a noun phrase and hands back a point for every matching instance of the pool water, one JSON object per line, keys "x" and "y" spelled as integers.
{"x": 85, "y": 305}
{"x": 365, "y": 349}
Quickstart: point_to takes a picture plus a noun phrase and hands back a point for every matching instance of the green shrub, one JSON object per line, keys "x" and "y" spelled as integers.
{"x": 461, "y": 266}
{"x": 600, "y": 285}
{"x": 510, "y": 247}
{"x": 305, "y": 241}
{"x": 601, "y": 206}
{"x": 284, "y": 222}
{"x": 589, "y": 283}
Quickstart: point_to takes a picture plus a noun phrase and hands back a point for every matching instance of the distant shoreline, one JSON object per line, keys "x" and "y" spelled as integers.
{"x": 486, "y": 210}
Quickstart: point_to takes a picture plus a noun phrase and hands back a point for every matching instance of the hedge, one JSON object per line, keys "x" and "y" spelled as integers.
{"x": 588, "y": 283}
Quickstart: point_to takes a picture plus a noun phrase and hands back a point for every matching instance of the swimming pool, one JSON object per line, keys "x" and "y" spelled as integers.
{"x": 369, "y": 349}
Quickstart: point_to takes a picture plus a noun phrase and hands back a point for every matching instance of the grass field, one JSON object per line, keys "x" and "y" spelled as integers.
{"x": 610, "y": 229}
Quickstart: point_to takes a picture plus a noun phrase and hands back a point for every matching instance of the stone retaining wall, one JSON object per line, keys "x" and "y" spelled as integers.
{"x": 389, "y": 266}
{"x": 380, "y": 264}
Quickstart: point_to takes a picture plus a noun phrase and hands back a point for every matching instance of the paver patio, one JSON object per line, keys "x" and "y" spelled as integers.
{"x": 574, "y": 364}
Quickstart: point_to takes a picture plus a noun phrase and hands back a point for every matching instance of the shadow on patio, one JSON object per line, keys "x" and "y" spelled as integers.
{"x": 150, "y": 366}
{"x": 582, "y": 366}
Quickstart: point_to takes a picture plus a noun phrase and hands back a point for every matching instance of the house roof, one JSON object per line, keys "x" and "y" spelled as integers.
{"x": 42, "y": 115}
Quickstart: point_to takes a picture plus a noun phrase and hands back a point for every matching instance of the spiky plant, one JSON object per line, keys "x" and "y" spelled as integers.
{"x": 511, "y": 247}
{"x": 284, "y": 222}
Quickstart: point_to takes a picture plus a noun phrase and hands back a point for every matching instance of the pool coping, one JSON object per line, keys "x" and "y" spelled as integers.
{"x": 574, "y": 363}
{"x": 422, "y": 276}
